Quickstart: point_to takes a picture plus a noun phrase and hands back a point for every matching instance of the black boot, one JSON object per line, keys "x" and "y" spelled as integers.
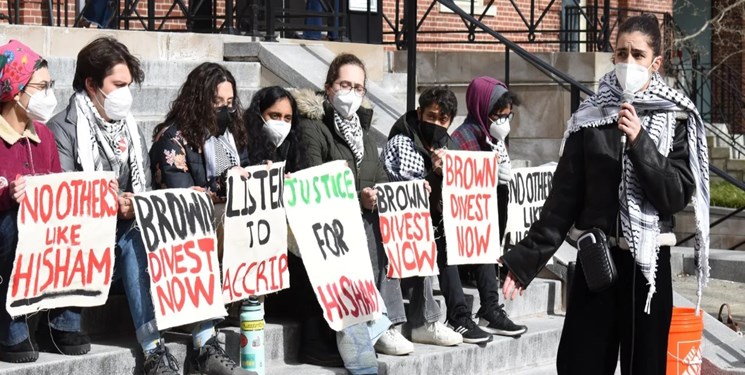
{"x": 62, "y": 342}
{"x": 23, "y": 352}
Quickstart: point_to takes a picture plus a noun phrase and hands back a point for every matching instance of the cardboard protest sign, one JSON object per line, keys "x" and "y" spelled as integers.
{"x": 406, "y": 229}
{"x": 66, "y": 239}
{"x": 255, "y": 242}
{"x": 469, "y": 203}
{"x": 529, "y": 189}
{"x": 178, "y": 230}
{"x": 324, "y": 215}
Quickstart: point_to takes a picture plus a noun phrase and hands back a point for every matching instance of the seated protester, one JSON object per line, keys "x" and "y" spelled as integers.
{"x": 410, "y": 155}
{"x": 489, "y": 106}
{"x": 27, "y": 149}
{"x": 336, "y": 126}
{"x": 97, "y": 132}
{"x": 273, "y": 123}
{"x": 202, "y": 136}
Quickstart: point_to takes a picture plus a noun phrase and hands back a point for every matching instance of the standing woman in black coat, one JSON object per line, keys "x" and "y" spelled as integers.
{"x": 628, "y": 189}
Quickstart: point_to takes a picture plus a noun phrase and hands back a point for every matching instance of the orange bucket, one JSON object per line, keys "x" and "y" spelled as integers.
{"x": 684, "y": 355}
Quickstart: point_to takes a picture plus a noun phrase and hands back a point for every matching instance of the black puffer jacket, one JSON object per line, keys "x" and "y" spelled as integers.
{"x": 585, "y": 191}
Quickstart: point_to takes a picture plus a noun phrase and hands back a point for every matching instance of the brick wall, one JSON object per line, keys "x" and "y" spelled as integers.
{"x": 504, "y": 18}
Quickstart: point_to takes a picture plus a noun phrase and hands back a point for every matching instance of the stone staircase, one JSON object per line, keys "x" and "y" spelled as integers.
{"x": 722, "y": 156}
{"x": 115, "y": 350}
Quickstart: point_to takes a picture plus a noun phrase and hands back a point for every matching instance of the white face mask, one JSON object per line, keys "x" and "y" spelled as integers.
{"x": 499, "y": 131}
{"x": 41, "y": 105}
{"x": 632, "y": 77}
{"x": 346, "y": 104}
{"x": 118, "y": 103}
{"x": 277, "y": 130}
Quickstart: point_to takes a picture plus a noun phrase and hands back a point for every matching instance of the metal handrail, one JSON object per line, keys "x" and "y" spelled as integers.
{"x": 555, "y": 74}
{"x": 737, "y": 183}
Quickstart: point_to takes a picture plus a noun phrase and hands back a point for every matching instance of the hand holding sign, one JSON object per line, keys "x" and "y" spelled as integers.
{"x": 17, "y": 188}
{"x": 126, "y": 208}
{"x": 369, "y": 198}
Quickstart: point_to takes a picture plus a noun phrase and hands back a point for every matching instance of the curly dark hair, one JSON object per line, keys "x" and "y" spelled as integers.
{"x": 260, "y": 148}
{"x": 193, "y": 112}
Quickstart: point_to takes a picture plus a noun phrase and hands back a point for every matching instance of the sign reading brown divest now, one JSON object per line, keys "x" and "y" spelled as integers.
{"x": 324, "y": 214}
{"x": 406, "y": 229}
{"x": 66, "y": 238}
{"x": 178, "y": 230}
{"x": 469, "y": 202}
{"x": 255, "y": 242}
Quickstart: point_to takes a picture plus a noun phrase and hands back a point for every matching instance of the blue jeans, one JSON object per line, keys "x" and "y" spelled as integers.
{"x": 131, "y": 267}
{"x": 14, "y": 331}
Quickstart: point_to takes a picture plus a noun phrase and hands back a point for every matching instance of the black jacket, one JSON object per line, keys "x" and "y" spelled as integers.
{"x": 585, "y": 191}
{"x": 176, "y": 164}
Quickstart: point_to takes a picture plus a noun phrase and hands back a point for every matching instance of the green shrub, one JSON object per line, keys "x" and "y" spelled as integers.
{"x": 724, "y": 194}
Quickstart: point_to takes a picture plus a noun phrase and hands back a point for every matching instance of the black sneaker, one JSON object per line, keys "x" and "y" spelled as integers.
{"x": 211, "y": 359}
{"x": 471, "y": 332}
{"x": 161, "y": 362}
{"x": 497, "y": 322}
{"x": 62, "y": 342}
{"x": 23, "y": 352}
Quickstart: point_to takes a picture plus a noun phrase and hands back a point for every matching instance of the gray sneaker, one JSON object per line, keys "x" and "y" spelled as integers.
{"x": 161, "y": 362}
{"x": 211, "y": 359}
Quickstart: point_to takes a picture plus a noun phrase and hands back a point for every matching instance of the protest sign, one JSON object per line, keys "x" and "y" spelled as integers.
{"x": 406, "y": 229}
{"x": 529, "y": 189}
{"x": 178, "y": 230}
{"x": 66, "y": 237}
{"x": 324, "y": 214}
{"x": 255, "y": 241}
{"x": 469, "y": 202}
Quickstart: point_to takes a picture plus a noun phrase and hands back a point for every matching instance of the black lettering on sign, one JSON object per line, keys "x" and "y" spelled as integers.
{"x": 331, "y": 238}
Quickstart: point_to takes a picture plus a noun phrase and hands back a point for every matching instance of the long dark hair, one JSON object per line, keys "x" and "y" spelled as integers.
{"x": 260, "y": 148}
{"x": 193, "y": 112}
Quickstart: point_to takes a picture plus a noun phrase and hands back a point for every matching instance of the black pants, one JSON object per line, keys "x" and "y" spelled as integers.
{"x": 597, "y": 324}
{"x": 452, "y": 289}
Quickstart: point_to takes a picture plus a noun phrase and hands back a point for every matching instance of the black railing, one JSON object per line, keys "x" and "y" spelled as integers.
{"x": 592, "y": 26}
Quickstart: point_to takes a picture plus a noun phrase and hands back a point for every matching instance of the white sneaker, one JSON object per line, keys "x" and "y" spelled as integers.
{"x": 393, "y": 343}
{"x": 436, "y": 334}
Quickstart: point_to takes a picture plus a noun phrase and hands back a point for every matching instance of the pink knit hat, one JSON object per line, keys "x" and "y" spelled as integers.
{"x": 17, "y": 64}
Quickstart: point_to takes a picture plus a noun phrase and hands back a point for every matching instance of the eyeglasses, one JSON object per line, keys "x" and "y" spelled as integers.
{"x": 41, "y": 86}
{"x": 501, "y": 119}
{"x": 232, "y": 107}
{"x": 345, "y": 87}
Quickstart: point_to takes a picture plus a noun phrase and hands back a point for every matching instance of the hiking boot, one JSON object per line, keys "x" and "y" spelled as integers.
{"x": 436, "y": 334}
{"x": 161, "y": 362}
{"x": 471, "y": 332}
{"x": 211, "y": 359}
{"x": 23, "y": 352}
{"x": 62, "y": 342}
{"x": 497, "y": 322}
{"x": 393, "y": 343}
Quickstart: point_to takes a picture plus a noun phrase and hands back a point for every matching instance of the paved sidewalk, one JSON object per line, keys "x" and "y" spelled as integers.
{"x": 717, "y": 293}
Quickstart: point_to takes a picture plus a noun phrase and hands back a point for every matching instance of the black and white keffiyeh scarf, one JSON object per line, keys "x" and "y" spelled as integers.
{"x": 119, "y": 141}
{"x": 402, "y": 161}
{"x": 351, "y": 131}
{"x": 505, "y": 165}
{"x": 657, "y": 106}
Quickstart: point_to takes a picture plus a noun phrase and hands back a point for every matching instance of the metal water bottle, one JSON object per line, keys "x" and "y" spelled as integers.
{"x": 252, "y": 336}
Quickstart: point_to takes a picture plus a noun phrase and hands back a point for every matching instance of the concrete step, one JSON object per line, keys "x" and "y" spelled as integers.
{"x": 542, "y": 297}
{"x": 719, "y": 153}
{"x": 536, "y": 348}
{"x": 121, "y": 355}
{"x": 149, "y": 100}
{"x": 162, "y": 73}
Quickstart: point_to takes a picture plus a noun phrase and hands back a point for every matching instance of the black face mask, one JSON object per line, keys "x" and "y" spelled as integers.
{"x": 433, "y": 135}
{"x": 223, "y": 119}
